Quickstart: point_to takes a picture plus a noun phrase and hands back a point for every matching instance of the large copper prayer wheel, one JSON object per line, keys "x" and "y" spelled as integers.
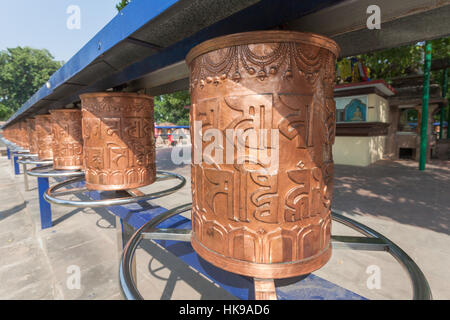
{"x": 16, "y": 134}
{"x": 264, "y": 219}
{"x": 19, "y": 134}
{"x": 67, "y": 139}
{"x": 32, "y": 136}
{"x": 118, "y": 135}
{"x": 23, "y": 135}
{"x": 44, "y": 136}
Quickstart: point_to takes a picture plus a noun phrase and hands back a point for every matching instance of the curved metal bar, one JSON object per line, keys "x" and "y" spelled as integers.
{"x": 49, "y": 195}
{"x": 29, "y": 155}
{"x": 14, "y": 148}
{"x": 21, "y": 152}
{"x": 127, "y": 284}
{"x": 8, "y": 143}
{"x": 421, "y": 289}
{"x": 36, "y": 172}
{"x": 36, "y": 162}
{"x": 17, "y": 150}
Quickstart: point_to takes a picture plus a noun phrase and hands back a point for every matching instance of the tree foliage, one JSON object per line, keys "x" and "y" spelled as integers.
{"x": 22, "y": 72}
{"x": 400, "y": 61}
{"x": 122, "y": 4}
{"x": 171, "y": 108}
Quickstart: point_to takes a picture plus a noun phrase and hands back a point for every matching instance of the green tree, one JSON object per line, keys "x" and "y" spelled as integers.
{"x": 400, "y": 61}
{"x": 22, "y": 72}
{"x": 5, "y": 113}
{"x": 171, "y": 108}
{"x": 122, "y": 4}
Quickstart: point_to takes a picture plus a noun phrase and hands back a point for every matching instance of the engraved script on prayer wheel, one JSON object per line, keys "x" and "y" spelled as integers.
{"x": 44, "y": 136}
{"x": 118, "y": 140}
{"x": 264, "y": 219}
{"x": 67, "y": 139}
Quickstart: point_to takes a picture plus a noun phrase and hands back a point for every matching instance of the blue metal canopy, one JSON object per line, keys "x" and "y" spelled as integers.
{"x": 131, "y": 19}
{"x": 150, "y": 39}
{"x": 137, "y": 41}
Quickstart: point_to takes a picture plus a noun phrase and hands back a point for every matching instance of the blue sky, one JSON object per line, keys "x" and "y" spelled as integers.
{"x": 43, "y": 24}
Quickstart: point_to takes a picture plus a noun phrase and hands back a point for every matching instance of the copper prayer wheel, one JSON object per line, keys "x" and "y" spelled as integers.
{"x": 7, "y": 133}
{"x": 11, "y": 130}
{"x": 264, "y": 219}
{"x": 26, "y": 139}
{"x": 19, "y": 134}
{"x": 23, "y": 135}
{"x": 118, "y": 140}
{"x": 16, "y": 133}
{"x": 32, "y": 136}
{"x": 44, "y": 136}
{"x": 67, "y": 139}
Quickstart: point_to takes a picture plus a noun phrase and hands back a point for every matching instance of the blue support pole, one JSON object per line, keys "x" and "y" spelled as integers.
{"x": 8, "y": 153}
{"x": 44, "y": 206}
{"x": 16, "y": 165}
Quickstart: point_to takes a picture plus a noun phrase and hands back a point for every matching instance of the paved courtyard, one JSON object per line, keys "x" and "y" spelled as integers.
{"x": 411, "y": 208}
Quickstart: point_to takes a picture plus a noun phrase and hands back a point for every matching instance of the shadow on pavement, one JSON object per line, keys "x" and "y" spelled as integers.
{"x": 9, "y": 212}
{"x": 396, "y": 190}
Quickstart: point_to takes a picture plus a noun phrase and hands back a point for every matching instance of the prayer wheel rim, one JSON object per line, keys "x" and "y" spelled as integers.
{"x": 255, "y": 37}
{"x": 276, "y": 270}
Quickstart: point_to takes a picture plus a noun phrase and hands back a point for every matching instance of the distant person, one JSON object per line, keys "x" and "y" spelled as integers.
{"x": 171, "y": 142}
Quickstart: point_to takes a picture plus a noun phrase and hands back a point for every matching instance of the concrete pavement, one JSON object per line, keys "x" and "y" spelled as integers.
{"x": 40, "y": 264}
{"x": 411, "y": 208}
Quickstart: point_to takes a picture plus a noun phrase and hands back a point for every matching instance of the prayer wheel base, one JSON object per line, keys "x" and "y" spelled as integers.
{"x": 261, "y": 270}
{"x": 102, "y": 187}
{"x": 71, "y": 168}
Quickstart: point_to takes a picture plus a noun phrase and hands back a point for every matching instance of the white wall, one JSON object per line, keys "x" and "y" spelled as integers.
{"x": 358, "y": 151}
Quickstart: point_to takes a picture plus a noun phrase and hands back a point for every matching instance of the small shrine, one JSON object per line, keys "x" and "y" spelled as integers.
{"x": 362, "y": 121}
{"x": 405, "y": 117}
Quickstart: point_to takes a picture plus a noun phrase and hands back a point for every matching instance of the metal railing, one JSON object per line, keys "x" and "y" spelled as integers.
{"x": 52, "y": 196}
{"x": 373, "y": 241}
